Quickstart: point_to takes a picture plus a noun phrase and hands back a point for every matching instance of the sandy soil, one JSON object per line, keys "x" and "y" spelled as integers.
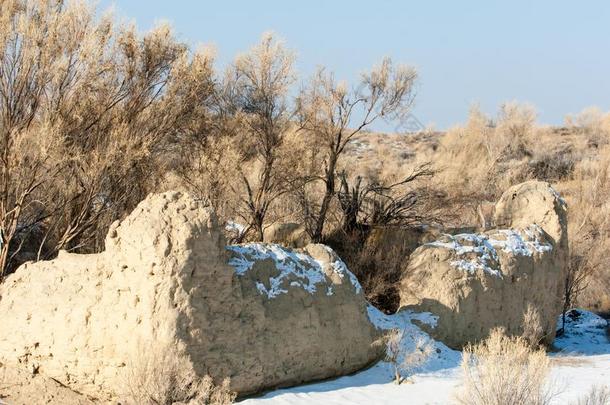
{"x": 20, "y": 387}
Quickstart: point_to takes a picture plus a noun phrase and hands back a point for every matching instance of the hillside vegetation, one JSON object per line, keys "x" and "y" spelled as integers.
{"x": 475, "y": 162}
{"x": 94, "y": 116}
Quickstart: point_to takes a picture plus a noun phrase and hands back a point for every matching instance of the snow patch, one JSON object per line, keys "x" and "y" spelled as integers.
{"x": 584, "y": 333}
{"x": 407, "y": 322}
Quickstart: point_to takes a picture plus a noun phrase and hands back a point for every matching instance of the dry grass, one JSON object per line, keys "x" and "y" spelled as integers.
{"x": 533, "y": 333}
{"x": 588, "y": 195}
{"x": 160, "y": 376}
{"x": 570, "y": 361}
{"x": 599, "y": 395}
{"x": 486, "y": 156}
{"x": 505, "y": 371}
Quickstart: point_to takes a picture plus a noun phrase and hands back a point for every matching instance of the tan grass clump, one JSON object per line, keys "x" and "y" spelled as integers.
{"x": 158, "y": 376}
{"x": 505, "y": 371}
{"x": 533, "y": 332}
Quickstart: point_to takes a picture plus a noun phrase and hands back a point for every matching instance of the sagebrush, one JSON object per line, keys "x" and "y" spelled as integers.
{"x": 505, "y": 370}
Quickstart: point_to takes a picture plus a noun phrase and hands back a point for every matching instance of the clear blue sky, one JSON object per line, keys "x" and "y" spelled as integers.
{"x": 553, "y": 54}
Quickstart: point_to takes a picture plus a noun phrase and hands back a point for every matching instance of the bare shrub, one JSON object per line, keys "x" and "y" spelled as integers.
{"x": 505, "y": 371}
{"x": 332, "y": 115}
{"x": 393, "y": 349}
{"x": 598, "y": 395}
{"x": 589, "y": 229}
{"x": 533, "y": 332}
{"x": 381, "y": 203}
{"x": 87, "y": 115}
{"x": 405, "y": 362}
{"x": 515, "y": 126}
{"x": 208, "y": 169}
{"x": 261, "y": 80}
{"x": 554, "y": 164}
{"x": 415, "y": 358}
{"x": 159, "y": 376}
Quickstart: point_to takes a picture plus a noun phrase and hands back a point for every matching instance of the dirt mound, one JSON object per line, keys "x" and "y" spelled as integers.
{"x": 475, "y": 282}
{"x": 263, "y": 315}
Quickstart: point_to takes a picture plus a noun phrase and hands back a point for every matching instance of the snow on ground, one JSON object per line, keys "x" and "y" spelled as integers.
{"x": 585, "y": 335}
{"x": 581, "y": 361}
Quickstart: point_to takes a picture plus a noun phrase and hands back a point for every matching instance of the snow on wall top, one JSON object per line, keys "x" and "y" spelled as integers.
{"x": 480, "y": 251}
{"x": 301, "y": 269}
